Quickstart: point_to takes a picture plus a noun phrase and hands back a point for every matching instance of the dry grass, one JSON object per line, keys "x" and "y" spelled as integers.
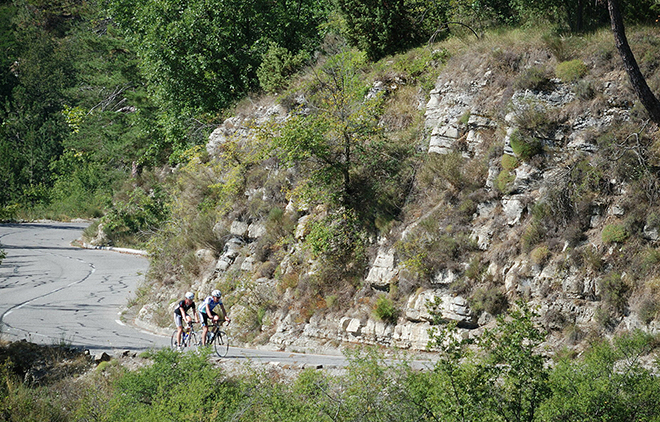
{"x": 43, "y": 364}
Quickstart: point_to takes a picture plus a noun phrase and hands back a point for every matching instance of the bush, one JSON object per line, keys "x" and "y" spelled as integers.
{"x": 571, "y": 70}
{"x": 278, "y": 65}
{"x": 381, "y": 28}
{"x": 131, "y": 219}
{"x": 161, "y": 391}
{"x": 609, "y": 380}
{"x": 509, "y": 162}
{"x": 534, "y": 233}
{"x": 385, "y": 310}
{"x": 614, "y": 291}
{"x": 525, "y": 147}
{"x": 614, "y": 233}
{"x": 534, "y": 78}
{"x": 584, "y": 89}
{"x": 653, "y": 220}
{"x": 490, "y": 300}
{"x": 648, "y": 309}
{"x": 540, "y": 255}
{"x": 504, "y": 178}
{"x": 592, "y": 258}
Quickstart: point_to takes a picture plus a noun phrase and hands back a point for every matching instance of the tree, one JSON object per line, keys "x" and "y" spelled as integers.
{"x": 609, "y": 382}
{"x": 348, "y": 160}
{"x": 337, "y": 133}
{"x": 503, "y": 378}
{"x": 200, "y": 56}
{"x": 516, "y": 372}
{"x": 384, "y": 27}
{"x": 637, "y": 80}
{"x": 32, "y": 126}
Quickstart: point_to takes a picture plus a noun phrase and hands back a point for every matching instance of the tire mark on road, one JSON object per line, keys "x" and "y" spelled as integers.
{"x": 29, "y": 301}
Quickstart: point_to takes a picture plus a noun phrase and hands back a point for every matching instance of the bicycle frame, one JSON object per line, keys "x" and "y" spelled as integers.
{"x": 219, "y": 339}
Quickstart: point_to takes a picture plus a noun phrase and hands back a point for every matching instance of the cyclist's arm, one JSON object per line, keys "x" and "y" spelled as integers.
{"x": 196, "y": 315}
{"x": 224, "y": 312}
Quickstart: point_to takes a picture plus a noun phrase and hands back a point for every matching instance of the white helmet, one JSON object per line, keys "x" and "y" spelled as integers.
{"x": 216, "y": 293}
{"x": 190, "y": 295}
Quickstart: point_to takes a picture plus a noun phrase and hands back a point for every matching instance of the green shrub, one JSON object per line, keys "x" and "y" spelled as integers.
{"x": 525, "y": 147}
{"x": 175, "y": 387}
{"x": 386, "y": 310}
{"x": 592, "y": 258}
{"x": 534, "y": 78}
{"x": 509, "y": 162}
{"x": 584, "y": 89}
{"x": 608, "y": 380}
{"x": 465, "y": 118}
{"x": 648, "y": 309}
{"x": 614, "y": 291}
{"x": 490, "y": 300}
{"x": 653, "y": 220}
{"x": 540, "y": 255}
{"x": 278, "y": 65}
{"x": 8, "y": 213}
{"x": 571, "y": 70}
{"x": 532, "y": 117}
{"x": 130, "y": 219}
{"x": 533, "y": 234}
{"x": 503, "y": 180}
{"x": 383, "y": 28}
{"x": 466, "y": 209}
{"x": 475, "y": 270}
{"x": 614, "y": 233}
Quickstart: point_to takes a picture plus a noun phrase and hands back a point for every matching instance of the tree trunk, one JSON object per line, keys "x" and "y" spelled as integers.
{"x": 641, "y": 88}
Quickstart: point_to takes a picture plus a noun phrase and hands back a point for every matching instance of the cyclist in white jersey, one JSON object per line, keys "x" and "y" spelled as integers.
{"x": 206, "y": 312}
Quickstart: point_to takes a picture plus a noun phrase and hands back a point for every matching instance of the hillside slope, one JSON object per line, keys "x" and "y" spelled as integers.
{"x": 532, "y": 175}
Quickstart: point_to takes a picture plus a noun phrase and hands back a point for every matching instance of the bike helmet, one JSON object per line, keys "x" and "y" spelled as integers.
{"x": 216, "y": 293}
{"x": 190, "y": 295}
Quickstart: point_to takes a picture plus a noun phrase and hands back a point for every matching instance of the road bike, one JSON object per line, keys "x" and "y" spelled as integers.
{"x": 189, "y": 339}
{"x": 218, "y": 338}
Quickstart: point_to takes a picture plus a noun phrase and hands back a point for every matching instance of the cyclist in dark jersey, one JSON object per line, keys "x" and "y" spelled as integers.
{"x": 206, "y": 312}
{"x": 181, "y": 313}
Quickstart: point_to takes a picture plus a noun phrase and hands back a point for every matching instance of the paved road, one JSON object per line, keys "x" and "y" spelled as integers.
{"x": 51, "y": 292}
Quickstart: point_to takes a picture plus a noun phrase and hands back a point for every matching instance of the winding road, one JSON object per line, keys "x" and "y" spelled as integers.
{"x": 52, "y": 292}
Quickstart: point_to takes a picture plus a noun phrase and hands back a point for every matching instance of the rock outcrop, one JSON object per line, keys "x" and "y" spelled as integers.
{"x": 469, "y": 114}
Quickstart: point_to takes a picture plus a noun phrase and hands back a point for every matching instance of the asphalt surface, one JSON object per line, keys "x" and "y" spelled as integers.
{"x": 52, "y": 292}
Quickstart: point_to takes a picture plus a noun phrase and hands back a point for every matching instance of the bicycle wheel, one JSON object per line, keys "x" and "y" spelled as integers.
{"x": 221, "y": 344}
{"x": 173, "y": 343}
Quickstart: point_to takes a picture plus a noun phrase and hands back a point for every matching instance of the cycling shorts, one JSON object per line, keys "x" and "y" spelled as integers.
{"x": 204, "y": 318}
{"x": 178, "y": 320}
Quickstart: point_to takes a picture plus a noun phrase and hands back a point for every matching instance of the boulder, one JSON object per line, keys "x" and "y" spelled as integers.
{"x": 383, "y": 269}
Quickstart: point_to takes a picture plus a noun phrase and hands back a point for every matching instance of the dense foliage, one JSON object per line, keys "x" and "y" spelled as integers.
{"x": 75, "y": 118}
{"x": 93, "y": 93}
{"x": 504, "y": 377}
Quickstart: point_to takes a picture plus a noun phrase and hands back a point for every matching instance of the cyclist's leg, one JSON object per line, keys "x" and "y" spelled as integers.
{"x": 178, "y": 321}
{"x": 214, "y": 318}
{"x": 203, "y": 318}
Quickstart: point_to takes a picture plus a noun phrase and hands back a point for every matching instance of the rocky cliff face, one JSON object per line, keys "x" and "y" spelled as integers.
{"x": 538, "y": 223}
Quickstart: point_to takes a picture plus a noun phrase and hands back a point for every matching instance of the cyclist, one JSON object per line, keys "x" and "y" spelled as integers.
{"x": 181, "y": 313}
{"x": 206, "y": 312}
